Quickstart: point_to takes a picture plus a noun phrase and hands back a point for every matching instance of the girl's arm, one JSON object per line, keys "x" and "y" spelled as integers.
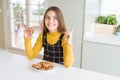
{"x": 67, "y": 53}
{"x": 32, "y": 52}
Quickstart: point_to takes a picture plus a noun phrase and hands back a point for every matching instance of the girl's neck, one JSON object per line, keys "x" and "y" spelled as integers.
{"x": 54, "y": 33}
{"x": 54, "y": 30}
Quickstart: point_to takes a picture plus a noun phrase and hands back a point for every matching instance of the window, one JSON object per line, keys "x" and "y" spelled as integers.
{"x": 22, "y": 13}
{"x": 95, "y": 8}
{"x": 110, "y": 7}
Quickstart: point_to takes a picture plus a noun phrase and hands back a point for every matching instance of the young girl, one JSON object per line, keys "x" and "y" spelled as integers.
{"x": 54, "y": 38}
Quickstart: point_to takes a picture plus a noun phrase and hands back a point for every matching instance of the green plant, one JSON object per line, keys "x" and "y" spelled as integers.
{"x": 17, "y": 7}
{"x": 117, "y": 28}
{"x": 110, "y": 19}
{"x": 101, "y": 20}
{"x": 18, "y": 16}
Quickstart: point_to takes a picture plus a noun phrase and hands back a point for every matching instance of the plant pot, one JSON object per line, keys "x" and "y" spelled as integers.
{"x": 117, "y": 33}
{"x": 105, "y": 28}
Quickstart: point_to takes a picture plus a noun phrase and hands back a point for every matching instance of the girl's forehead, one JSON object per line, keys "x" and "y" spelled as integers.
{"x": 51, "y": 12}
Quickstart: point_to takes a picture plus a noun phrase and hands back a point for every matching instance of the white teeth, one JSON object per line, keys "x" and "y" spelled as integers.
{"x": 51, "y": 25}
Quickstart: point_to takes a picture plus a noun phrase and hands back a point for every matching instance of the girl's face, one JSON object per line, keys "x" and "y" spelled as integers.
{"x": 51, "y": 21}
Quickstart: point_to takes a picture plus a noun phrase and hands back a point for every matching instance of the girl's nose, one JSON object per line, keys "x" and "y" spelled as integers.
{"x": 51, "y": 20}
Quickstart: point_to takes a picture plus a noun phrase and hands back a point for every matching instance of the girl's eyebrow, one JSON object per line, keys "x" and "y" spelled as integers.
{"x": 52, "y": 17}
{"x": 46, "y": 16}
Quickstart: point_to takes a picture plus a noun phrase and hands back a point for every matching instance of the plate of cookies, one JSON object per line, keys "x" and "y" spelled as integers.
{"x": 43, "y": 66}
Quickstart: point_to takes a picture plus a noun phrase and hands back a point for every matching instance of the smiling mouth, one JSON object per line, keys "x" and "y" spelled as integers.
{"x": 51, "y": 25}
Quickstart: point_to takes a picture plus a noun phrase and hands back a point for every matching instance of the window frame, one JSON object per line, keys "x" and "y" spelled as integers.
{"x": 7, "y": 29}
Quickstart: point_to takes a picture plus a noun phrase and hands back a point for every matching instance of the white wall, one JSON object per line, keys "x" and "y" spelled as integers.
{"x": 73, "y": 11}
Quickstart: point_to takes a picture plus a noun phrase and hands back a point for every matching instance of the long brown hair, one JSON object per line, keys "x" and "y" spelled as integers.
{"x": 60, "y": 18}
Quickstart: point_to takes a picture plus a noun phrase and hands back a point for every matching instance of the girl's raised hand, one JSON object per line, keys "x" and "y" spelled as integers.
{"x": 68, "y": 36}
{"x": 41, "y": 25}
{"x": 28, "y": 32}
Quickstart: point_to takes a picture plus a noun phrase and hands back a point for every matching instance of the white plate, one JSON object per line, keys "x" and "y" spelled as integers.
{"x": 43, "y": 70}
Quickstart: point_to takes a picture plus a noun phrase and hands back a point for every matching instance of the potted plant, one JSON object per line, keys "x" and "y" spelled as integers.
{"x": 117, "y": 31}
{"x": 101, "y": 19}
{"x": 106, "y": 24}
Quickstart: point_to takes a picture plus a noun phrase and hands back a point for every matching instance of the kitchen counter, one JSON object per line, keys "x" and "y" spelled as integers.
{"x": 102, "y": 38}
{"x": 18, "y": 67}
